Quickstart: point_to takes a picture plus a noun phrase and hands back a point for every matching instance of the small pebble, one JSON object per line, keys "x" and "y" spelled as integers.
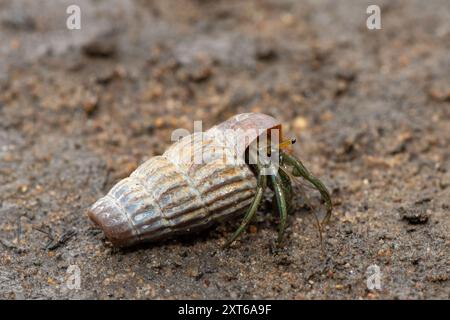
{"x": 300, "y": 123}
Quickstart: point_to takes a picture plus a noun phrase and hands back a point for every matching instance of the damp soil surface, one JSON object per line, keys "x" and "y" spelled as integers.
{"x": 81, "y": 109}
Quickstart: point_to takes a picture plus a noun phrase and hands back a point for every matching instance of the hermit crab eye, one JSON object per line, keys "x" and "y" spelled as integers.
{"x": 287, "y": 143}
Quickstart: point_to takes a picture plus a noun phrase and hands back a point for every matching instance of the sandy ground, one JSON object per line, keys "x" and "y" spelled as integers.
{"x": 81, "y": 109}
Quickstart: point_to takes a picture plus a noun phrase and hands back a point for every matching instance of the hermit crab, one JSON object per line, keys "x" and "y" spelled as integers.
{"x": 204, "y": 178}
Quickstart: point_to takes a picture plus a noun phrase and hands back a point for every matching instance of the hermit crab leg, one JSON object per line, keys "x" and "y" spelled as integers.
{"x": 304, "y": 196}
{"x": 261, "y": 187}
{"x": 299, "y": 170}
{"x": 286, "y": 184}
{"x": 281, "y": 204}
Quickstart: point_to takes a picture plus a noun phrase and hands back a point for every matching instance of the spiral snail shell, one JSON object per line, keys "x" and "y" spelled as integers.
{"x": 173, "y": 194}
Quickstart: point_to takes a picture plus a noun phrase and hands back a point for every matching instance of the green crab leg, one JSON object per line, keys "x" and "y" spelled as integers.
{"x": 281, "y": 204}
{"x": 300, "y": 171}
{"x": 261, "y": 187}
{"x": 286, "y": 185}
{"x": 303, "y": 194}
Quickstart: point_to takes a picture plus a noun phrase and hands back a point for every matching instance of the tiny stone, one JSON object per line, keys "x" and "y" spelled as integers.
{"x": 414, "y": 215}
{"x": 90, "y": 104}
{"x": 300, "y": 123}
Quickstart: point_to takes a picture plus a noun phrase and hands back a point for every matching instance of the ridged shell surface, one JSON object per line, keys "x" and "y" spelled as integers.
{"x": 178, "y": 192}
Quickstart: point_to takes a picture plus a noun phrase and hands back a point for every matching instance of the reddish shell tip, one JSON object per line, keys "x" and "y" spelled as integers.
{"x": 105, "y": 215}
